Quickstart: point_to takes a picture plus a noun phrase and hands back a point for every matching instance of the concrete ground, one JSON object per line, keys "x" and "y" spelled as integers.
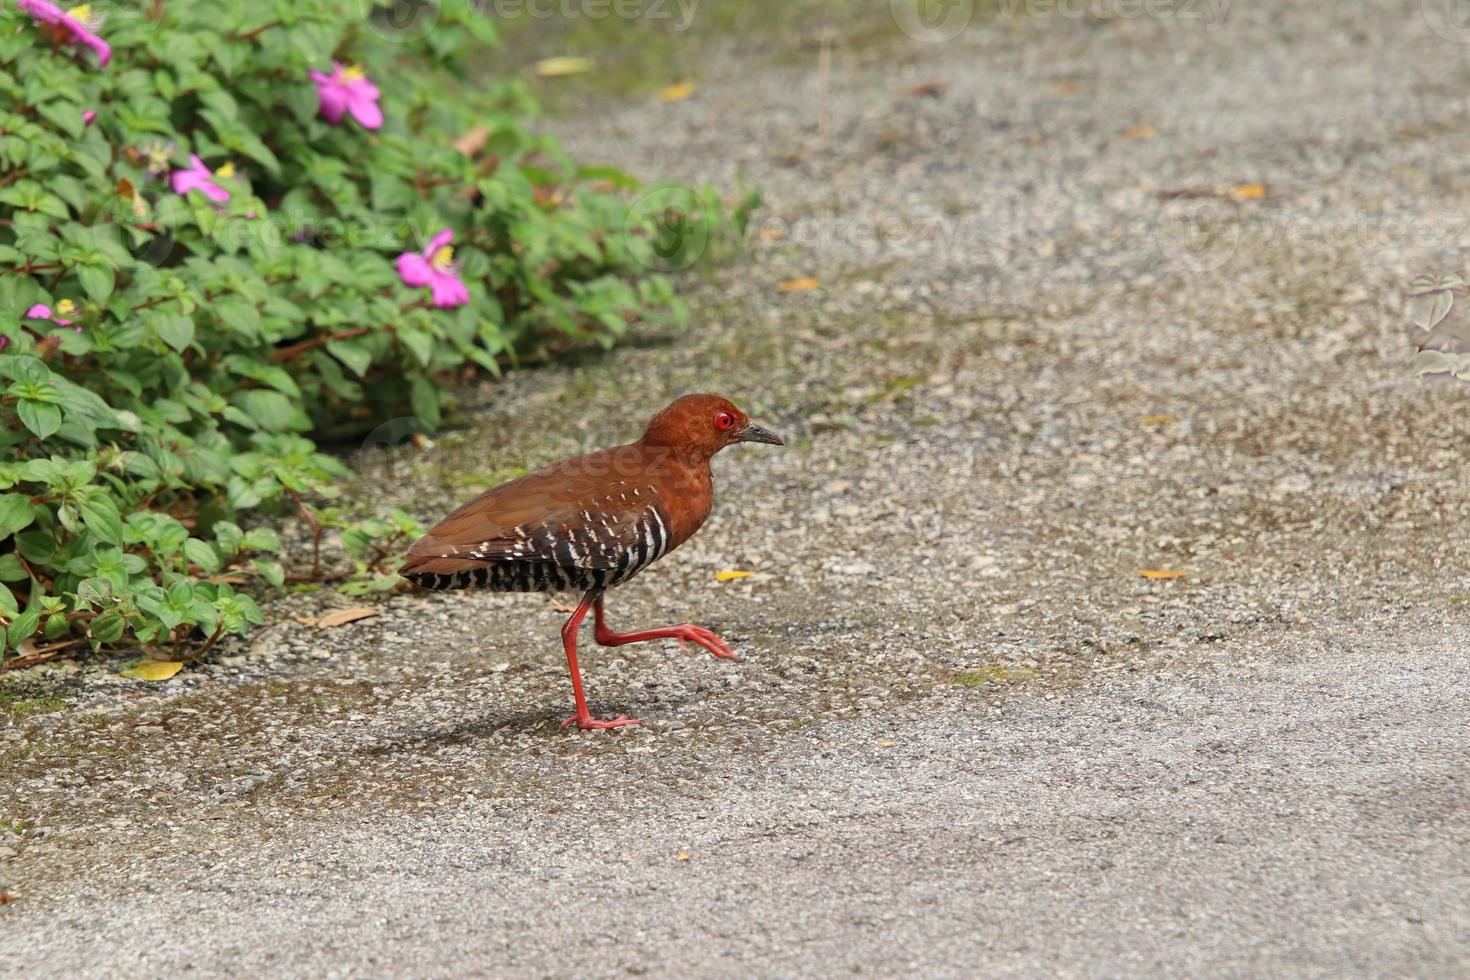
{"x": 1099, "y": 295}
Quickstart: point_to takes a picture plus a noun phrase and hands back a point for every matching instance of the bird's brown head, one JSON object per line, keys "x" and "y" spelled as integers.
{"x": 703, "y": 425}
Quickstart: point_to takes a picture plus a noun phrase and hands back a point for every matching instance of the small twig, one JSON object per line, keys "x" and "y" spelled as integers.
{"x": 198, "y": 655}
{"x": 316, "y": 531}
{"x": 286, "y": 353}
{"x": 254, "y": 33}
{"x": 42, "y": 654}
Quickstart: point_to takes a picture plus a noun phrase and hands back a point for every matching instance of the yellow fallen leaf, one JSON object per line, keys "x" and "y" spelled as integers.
{"x": 563, "y": 66}
{"x": 1157, "y": 573}
{"x": 1158, "y": 419}
{"x": 154, "y": 670}
{"x": 677, "y": 92}
{"x": 1248, "y": 192}
{"x": 341, "y": 617}
{"x": 886, "y": 742}
{"x": 1143, "y": 131}
{"x": 798, "y": 285}
{"x": 682, "y": 856}
{"x": 731, "y": 574}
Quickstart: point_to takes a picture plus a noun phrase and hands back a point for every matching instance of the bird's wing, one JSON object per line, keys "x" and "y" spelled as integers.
{"x": 582, "y": 513}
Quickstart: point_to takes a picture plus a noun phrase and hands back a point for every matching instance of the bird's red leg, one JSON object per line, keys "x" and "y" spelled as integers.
{"x": 682, "y": 632}
{"x": 583, "y": 717}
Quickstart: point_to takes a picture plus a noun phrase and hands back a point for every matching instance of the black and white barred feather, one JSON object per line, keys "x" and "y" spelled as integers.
{"x": 588, "y": 552}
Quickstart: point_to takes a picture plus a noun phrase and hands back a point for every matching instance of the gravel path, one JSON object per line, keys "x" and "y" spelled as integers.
{"x": 1118, "y": 294}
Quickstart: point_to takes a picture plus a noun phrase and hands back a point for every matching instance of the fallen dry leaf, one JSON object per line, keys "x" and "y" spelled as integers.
{"x": 799, "y": 285}
{"x": 682, "y": 856}
{"x": 154, "y": 670}
{"x": 30, "y": 648}
{"x": 731, "y": 574}
{"x": 887, "y": 742}
{"x": 341, "y": 617}
{"x": 563, "y": 66}
{"x": 1143, "y": 131}
{"x": 1158, "y": 419}
{"x": 1247, "y": 192}
{"x": 474, "y": 141}
{"x": 1157, "y": 573}
{"x": 129, "y": 193}
{"x": 563, "y": 607}
{"x": 677, "y": 92}
{"x": 931, "y": 89}
{"x": 771, "y": 234}
{"x": 6, "y": 897}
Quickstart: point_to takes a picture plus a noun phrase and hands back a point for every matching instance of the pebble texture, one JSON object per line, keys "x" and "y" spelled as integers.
{"x": 1059, "y": 340}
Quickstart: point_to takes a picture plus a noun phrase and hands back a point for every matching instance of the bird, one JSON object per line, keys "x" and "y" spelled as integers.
{"x": 591, "y": 523}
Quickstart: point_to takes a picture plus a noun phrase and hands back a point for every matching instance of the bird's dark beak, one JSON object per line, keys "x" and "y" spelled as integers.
{"x": 754, "y": 433}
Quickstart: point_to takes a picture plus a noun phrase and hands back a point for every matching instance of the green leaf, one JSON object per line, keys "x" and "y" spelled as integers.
{"x": 16, "y": 513}
{"x": 101, "y": 517}
{"x": 41, "y": 418}
{"x": 175, "y": 330}
{"x": 11, "y": 570}
{"x": 108, "y": 627}
{"x": 27, "y": 370}
{"x": 425, "y": 398}
{"x": 23, "y": 626}
{"x": 201, "y": 554}
{"x": 56, "y": 625}
{"x": 353, "y": 354}
{"x": 420, "y": 344}
{"x": 239, "y": 315}
{"x": 270, "y": 571}
{"x": 97, "y": 280}
{"x": 65, "y": 115}
{"x": 270, "y": 410}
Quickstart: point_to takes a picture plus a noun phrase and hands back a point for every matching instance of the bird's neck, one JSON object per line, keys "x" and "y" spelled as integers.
{"x": 686, "y": 487}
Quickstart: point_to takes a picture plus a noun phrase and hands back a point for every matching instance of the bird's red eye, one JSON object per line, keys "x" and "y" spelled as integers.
{"x": 724, "y": 420}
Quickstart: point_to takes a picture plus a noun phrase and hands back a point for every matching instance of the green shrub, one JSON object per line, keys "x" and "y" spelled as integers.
{"x": 209, "y": 339}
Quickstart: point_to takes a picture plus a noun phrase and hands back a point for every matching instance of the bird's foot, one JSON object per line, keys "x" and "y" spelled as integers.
{"x": 687, "y": 634}
{"x": 587, "y": 722}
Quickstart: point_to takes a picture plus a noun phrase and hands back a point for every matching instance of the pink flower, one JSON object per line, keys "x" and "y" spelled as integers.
{"x": 348, "y": 90}
{"x": 88, "y": 116}
{"x": 43, "y": 312}
{"x": 69, "y": 27}
{"x": 198, "y": 178}
{"x": 435, "y": 268}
